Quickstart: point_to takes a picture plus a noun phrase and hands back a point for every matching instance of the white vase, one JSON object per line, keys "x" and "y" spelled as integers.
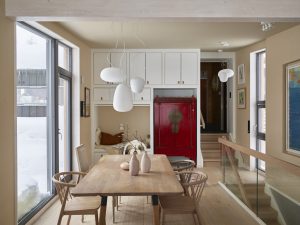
{"x": 145, "y": 163}
{"x": 134, "y": 165}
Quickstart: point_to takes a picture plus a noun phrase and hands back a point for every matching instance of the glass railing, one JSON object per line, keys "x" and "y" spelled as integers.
{"x": 273, "y": 195}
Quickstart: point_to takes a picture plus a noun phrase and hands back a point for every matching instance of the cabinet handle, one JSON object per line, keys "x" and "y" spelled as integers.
{"x": 147, "y": 81}
{"x": 101, "y": 98}
{"x": 183, "y": 81}
{"x": 142, "y": 98}
{"x": 178, "y": 82}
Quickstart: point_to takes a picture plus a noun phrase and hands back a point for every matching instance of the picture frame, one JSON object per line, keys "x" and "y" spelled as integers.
{"x": 241, "y": 98}
{"x": 241, "y": 74}
{"x": 87, "y": 102}
{"x": 293, "y": 107}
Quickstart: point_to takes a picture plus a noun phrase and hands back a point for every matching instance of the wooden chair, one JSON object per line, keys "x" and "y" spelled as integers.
{"x": 193, "y": 184}
{"x": 183, "y": 165}
{"x": 83, "y": 158}
{"x": 74, "y": 205}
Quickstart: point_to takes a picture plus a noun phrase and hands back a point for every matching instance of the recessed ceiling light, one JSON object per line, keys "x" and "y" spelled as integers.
{"x": 224, "y": 43}
{"x": 220, "y": 50}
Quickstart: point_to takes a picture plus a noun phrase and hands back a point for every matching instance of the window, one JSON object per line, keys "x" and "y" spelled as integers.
{"x": 261, "y": 106}
{"x": 38, "y": 109}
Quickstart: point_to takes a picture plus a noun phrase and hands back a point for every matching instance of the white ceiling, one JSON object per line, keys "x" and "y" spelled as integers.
{"x": 154, "y": 34}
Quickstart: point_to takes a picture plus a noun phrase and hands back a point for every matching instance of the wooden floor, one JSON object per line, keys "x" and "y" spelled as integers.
{"x": 216, "y": 208}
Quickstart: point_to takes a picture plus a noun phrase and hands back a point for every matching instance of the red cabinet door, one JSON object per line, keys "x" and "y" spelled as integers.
{"x": 175, "y": 127}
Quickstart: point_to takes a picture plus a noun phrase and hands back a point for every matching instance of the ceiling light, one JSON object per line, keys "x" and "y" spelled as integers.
{"x": 266, "y": 26}
{"x": 112, "y": 74}
{"x": 122, "y": 101}
{"x": 224, "y": 43}
{"x": 137, "y": 84}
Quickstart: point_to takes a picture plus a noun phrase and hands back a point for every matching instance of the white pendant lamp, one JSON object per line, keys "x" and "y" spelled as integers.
{"x": 112, "y": 74}
{"x": 122, "y": 98}
{"x": 137, "y": 84}
{"x": 225, "y": 74}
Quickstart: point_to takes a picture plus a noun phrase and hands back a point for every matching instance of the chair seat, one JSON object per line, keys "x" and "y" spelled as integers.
{"x": 83, "y": 204}
{"x": 177, "y": 204}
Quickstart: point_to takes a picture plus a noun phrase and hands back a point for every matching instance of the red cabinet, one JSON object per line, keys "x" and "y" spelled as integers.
{"x": 175, "y": 127}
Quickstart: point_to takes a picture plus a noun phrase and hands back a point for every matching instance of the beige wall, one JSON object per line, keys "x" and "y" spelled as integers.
{"x": 7, "y": 120}
{"x": 138, "y": 119}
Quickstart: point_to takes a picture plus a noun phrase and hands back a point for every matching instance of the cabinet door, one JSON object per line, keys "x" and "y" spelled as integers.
{"x": 137, "y": 64}
{"x": 189, "y": 68}
{"x": 154, "y": 68}
{"x": 101, "y": 60}
{"x": 144, "y": 97}
{"x": 119, "y": 59}
{"x": 172, "y": 68}
{"x": 103, "y": 95}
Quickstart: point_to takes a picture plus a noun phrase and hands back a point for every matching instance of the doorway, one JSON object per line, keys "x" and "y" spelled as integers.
{"x": 213, "y": 98}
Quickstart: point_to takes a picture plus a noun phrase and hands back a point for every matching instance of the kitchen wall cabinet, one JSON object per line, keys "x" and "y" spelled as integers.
{"x": 142, "y": 98}
{"x": 137, "y": 65}
{"x": 154, "y": 65}
{"x": 172, "y": 68}
{"x": 101, "y": 60}
{"x": 103, "y": 95}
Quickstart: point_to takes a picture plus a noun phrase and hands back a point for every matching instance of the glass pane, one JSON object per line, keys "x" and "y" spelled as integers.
{"x": 33, "y": 162}
{"x": 261, "y": 120}
{"x": 63, "y": 124}
{"x": 64, "y": 57}
{"x": 262, "y": 77}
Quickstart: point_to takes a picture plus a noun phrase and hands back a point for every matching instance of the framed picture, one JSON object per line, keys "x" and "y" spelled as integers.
{"x": 293, "y": 107}
{"x": 241, "y": 98}
{"x": 241, "y": 74}
{"x": 87, "y": 102}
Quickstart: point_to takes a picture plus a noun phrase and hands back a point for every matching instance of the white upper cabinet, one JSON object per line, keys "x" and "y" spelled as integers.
{"x": 172, "y": 68}
{"x": 143, "y": 98}
{"x": 189, "y": 68}
{"x": 103, "y": 95}
{"x": 137, "y": 64}
{"x": 101, "y": 60}
{"x": 119, "y": 59}
{"x": 154, "y": 69}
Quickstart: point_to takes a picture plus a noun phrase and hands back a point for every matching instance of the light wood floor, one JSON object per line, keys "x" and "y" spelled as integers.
{"x": 216, "y": 208}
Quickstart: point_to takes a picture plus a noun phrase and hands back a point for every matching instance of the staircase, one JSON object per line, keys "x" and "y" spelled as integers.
{"x": 210, "y": 148}
{"x": 265, "y": 211}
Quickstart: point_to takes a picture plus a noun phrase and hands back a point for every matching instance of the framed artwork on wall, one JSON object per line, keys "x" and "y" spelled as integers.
{"x": 241, "y": 74}
{"x": 293, "y": 107}
{"x": 87, "y": 102}
{"x": 241, "y": 98}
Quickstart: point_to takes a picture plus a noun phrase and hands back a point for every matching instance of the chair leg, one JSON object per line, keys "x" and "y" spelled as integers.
{"x": 117, "y": 203}
{"x": 163, "y": 217}
{"x": 198, "y": 218}
{"x": 59, "y": 219}
{"x": 82, "y": 218}
{"x": 120, "y": 200}
{"x": 113, "y": 208}
{"x": 96, "y": 218}
{"x": 69, "y": 219}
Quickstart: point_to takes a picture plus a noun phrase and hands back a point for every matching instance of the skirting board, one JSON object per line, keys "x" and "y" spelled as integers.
{"x": 252, "y": 214}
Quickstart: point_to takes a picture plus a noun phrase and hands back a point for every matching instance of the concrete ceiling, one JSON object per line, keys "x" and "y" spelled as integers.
{"x": 155, "y": 34}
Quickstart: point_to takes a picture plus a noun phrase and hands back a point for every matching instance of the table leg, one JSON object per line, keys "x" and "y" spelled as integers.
{"x": 102, "y": 220}
{"x": 155, "y": 210}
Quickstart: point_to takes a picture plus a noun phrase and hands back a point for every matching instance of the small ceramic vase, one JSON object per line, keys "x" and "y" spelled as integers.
{"x": 134, "y": 165}
{"x": 145, "y": 163}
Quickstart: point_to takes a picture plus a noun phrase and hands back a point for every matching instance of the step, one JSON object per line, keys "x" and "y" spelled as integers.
{"x": 211, "y": 163}
{"x": 212, "y": 137}
{"x": 211, "y": 153}
{"x": 267, "y": 214}
{"x": 210, "y": 145}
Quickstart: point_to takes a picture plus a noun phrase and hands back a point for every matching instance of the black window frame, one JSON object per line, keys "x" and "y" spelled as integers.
{"x": 52, "y": 140}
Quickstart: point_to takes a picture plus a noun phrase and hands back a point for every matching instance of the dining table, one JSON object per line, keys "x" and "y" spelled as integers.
{"x": 106, "y": 178}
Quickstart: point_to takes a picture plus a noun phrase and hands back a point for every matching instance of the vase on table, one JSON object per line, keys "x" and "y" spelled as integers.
{"x": 145, "y": 163}
{"x": 134, "y": 165}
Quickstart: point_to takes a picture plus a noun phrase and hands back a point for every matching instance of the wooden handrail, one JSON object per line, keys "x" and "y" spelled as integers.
{"x": 267, "y": 158}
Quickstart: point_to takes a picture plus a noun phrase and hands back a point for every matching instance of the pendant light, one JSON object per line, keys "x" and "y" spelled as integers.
{"x": 112, "y": 74}
{"x": 224, "y": 74}
{"x": 122, "y": 101}
{"x": 137, "y": 84}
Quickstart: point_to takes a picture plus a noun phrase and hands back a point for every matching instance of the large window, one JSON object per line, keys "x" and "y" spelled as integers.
{"x": 261, "y": 106}
{"x": 39, "y": 100}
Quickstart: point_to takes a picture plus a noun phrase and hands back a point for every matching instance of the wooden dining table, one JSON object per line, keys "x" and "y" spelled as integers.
{"x": 106, "y": 178}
